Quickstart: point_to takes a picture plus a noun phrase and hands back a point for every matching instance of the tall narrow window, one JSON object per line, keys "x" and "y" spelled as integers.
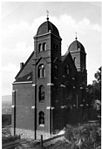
{"x": 40, "y": 47}
{"x": 41, "y": 93}
{"x": 44, "y": 46}
{"x": 41, "y": 118}
{"x": 67, "y": 69}
{"x": 56, "y": 71}
{"x": 41, "y": 71}
{"x": 74, "y": 59}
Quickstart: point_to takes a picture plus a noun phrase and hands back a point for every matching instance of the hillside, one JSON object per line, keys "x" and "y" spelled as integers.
{"x": 6, "y": 104}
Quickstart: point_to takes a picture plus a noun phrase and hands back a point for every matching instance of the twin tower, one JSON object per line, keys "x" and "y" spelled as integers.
{"x": 49, "y": 91}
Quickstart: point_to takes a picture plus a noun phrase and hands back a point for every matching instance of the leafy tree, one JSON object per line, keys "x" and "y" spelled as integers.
{"x": 97, "y": 83}
{"x": 94, "y": 93}
{"x": 98, "y": 75}
{"x": 84, "y": 136}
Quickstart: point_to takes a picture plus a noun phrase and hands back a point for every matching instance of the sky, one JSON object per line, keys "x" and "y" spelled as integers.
{"x": 19, "y": 24}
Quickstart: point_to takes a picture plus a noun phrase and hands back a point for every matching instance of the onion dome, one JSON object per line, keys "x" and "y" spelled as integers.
{"x": 76, "y": 46}
{"x": 46, "y": 27}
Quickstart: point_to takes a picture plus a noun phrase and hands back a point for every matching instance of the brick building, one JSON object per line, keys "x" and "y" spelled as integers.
{"x": 49, "y": 91}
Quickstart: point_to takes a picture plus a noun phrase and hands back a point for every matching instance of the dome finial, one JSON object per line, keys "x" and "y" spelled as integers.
{"x": 47, "y": 15}
{"x": 76, "y": 36}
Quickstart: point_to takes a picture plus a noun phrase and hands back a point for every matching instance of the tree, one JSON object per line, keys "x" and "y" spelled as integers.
{"x": 83, "y": 137}
{"x": 94, "y": 92}
{"x": 98, "y": 75}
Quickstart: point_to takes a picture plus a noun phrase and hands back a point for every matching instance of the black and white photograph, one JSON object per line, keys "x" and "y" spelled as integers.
{"x": 51, "y": 74}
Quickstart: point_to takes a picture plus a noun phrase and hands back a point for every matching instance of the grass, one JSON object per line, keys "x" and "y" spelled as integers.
{"x": 86, "y": 136}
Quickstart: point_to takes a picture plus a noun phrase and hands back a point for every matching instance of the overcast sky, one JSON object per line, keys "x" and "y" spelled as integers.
{"x": 20, "y": 21}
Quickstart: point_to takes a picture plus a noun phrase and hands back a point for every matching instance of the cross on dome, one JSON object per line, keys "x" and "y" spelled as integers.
{"x": 47, "y": 15}
{"x": 76, "y": 35}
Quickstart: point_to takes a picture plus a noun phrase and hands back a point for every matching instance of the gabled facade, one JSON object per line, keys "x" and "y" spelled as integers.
{"x": 49, "y": 88}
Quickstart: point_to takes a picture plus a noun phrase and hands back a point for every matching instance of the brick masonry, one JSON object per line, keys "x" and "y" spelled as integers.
{"x": 62, "y": 86}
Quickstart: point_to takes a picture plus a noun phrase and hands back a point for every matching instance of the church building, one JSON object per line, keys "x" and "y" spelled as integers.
{"x": 49, "y": 90}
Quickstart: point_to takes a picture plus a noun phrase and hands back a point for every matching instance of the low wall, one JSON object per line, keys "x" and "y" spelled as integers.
{"x": 53, "y": 140}
{"x": 24, "y": 133}
{"x": 30, "y": 134}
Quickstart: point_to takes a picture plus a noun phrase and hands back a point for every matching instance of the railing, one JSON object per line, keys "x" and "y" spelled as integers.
{"x": 53, "y": 140}
{"x": 10, "y": 142}
{"x": 10, "y": 145}
{"x": 50, "y": 141}
{"x": 41, "y": 142}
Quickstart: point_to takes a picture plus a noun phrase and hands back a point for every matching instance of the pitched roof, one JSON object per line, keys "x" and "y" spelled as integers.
{"x": 27, "y": 77}
{"x": 68, "y": 55}
{"x": 65, "y": 55}
{"x": 24, "y": 65}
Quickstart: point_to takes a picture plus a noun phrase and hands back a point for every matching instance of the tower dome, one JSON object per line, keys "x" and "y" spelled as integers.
{"x": 46, "y": 27}
{"x": 76, "y": 46}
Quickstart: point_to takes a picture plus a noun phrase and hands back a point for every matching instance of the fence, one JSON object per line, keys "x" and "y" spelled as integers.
{"x": 10, "y": 145}
{"x": 10, "y": 142}
{"x": 51, "y": 140}
{"x": 41, "y": 142}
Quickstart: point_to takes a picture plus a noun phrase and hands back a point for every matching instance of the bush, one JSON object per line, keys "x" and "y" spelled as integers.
{"x": 84, "y": 137}
{"x": 6, "y": 120}
{"x": 6, "y": 132}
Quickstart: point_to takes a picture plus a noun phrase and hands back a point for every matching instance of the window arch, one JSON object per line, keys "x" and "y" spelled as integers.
{"x": 56, "y": 71}
{"x": 41, "y": 71}
{"x": 44, "y": 46}
{"x": 41, "y": 118}
{"x": 40, "y": 47}
{"x": 74, "y": 59}
{"x": 67, "y": 69}
{"x": 41, "y": 93}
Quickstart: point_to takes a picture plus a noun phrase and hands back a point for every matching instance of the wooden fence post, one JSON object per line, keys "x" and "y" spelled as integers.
{"x": 41, "y": 142}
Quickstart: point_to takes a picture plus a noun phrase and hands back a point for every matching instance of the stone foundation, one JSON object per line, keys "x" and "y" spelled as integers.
{"x": 24, "y": 133}
{"x": 46, "y": 135}
{"x": 29, "y": 134}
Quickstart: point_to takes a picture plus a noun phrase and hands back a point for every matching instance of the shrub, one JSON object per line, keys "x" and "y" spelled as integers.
{"x": 84, "y": 137}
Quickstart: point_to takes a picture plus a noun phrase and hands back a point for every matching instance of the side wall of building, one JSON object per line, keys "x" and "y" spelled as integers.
{"x": 23, "y": 112}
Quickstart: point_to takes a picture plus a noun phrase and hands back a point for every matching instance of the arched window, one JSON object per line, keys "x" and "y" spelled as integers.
{"x": 41, "y": 93}
{"x": 67, "y": 69}
{"x": 41, "y": 71}
{"x": 56, "y": 71}
{"x": 44, "y": 46}
{"x": 41, "y": 118}
{"x": 40, "y": 47}
{"x": 74, "y": 59}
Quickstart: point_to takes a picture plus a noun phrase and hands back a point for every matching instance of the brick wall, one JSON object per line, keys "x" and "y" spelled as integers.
{"x": 24, "y": 102}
